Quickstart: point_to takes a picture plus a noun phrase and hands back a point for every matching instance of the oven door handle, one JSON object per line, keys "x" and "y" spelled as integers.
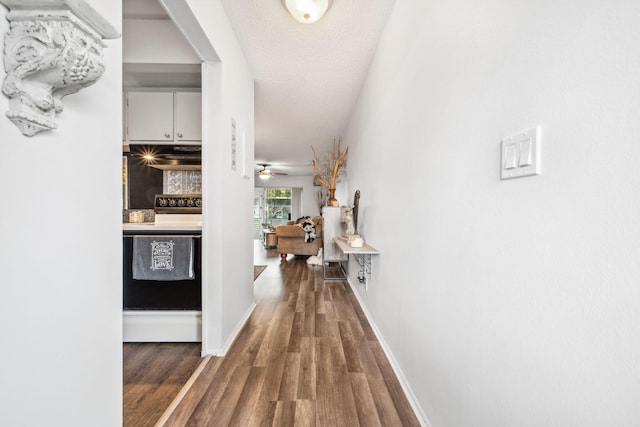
{"x": 195, "y": 236}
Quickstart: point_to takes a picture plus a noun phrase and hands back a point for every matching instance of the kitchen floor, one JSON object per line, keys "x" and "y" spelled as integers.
{"x": 153, "y": 375}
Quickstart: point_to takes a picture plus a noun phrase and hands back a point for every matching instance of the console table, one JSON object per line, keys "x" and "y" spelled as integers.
{"x": 361, "y": 255}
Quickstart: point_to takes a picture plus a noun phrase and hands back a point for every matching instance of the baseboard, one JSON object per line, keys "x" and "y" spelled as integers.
{"x": 221, "y": 352}
{"x": 161, "y": 326}
{"x": 182, "y": 393}
{"x": 417, "y": 409}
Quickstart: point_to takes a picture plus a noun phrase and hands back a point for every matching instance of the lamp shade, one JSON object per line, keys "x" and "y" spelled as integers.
{"x": 307, "y": 11}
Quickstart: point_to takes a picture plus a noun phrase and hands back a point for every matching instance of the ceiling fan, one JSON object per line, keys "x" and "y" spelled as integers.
{"x": 265, "y": 173}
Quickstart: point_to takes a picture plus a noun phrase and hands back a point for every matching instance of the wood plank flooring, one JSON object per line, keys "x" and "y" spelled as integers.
{"x": 306, "y": 357}
{"x": 153, "y": 375}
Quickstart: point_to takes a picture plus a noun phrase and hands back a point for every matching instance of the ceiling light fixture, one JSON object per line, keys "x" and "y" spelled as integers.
{"x": 307, "y": 11}
{"x": 264, "y": 176}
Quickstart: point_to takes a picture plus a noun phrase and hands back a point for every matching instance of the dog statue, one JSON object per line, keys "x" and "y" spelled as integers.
{"x": 315, "y": 259}
{"x": 348, "y": 220}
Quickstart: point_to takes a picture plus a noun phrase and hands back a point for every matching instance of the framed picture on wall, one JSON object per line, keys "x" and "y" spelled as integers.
{"x": 246, "y": 158}
{"x": 234, "y": 145}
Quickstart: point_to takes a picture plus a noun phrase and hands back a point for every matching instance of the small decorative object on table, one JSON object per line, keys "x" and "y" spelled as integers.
{"x": 356, "y": 208}
{"x": 347, "y": 218}
{"x": 355, "y": 241}
{"x": 136, "y": 216}
{"x": 326, "y": 172}
{"x": 332, "y": 201}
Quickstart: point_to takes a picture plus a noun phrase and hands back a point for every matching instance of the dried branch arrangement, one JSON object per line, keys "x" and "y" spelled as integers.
{"x": 327, "y": 172}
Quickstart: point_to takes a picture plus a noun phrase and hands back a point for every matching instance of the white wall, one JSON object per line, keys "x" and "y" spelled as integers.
{"x": 506, "y": 303}
{"x": 155, "y": 41}
{"x": 227, "y": 195}
{"x": 61, "y": 256}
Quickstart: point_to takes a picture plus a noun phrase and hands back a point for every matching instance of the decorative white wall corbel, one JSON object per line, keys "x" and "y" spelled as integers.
{"x": 53, "y": 48}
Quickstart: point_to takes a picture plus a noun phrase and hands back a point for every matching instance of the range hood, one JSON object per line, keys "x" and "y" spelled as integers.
{"x": 169, "y": 157}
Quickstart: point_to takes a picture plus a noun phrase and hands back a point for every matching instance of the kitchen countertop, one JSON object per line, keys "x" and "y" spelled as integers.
{"x": 152, "y": 226}
{"x": 168, "y": 222}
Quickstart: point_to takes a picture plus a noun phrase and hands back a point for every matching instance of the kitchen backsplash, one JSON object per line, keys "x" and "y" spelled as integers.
{"x": 182, "y": 182}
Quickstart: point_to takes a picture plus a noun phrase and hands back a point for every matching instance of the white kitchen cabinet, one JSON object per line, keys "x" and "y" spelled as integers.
{"x": 188, "y": 115}
{"x": 164, "y": 116}
{"x": 150, "y": 116}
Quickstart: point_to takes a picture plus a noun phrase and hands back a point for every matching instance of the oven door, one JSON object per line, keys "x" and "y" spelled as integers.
{"x": 161, "y": 295}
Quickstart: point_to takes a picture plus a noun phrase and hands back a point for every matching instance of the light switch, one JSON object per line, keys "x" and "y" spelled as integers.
{"x": 521, "y": 154}
{"x": 511, "y": 157}
{"x": 525, "y": 153}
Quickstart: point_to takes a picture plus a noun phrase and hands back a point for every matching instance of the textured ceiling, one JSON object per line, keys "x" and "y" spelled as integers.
{"x": 307, "y": 76}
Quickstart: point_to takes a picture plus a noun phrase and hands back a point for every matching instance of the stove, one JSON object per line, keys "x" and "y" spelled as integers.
{"x": 177, "y": 204}
{"x": 173, "y": 219}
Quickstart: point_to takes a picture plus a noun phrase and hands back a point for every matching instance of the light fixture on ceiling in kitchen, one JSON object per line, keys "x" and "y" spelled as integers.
{"x": 307, "y": 11}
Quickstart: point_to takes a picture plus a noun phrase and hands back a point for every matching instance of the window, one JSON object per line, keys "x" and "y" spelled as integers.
{"x": 271, "y": 207}
{"x": 278, "y": 204}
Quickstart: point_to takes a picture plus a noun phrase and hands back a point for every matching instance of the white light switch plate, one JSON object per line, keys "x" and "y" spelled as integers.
{"x": 521, "y": 154}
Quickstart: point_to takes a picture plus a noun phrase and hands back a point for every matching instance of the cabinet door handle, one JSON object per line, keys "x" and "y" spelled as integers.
{"x": 167, "y": 135}
{"x": 179, "y": 135}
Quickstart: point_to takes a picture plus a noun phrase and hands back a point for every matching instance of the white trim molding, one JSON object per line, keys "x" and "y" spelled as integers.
{"x": 53, "y": 49}
{"x": 411, "y": 397}
{"x": 221, "y": 352}
{"x": 161, "y": 326}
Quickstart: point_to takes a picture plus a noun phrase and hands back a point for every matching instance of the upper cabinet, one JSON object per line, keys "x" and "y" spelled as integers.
{"x": 150, "y": 116}
{"x": 164, "y": 116}
{"x": 188, "y": 123}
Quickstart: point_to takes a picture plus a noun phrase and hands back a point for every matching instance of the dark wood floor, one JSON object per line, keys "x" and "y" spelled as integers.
{"x": 306, "y": 357}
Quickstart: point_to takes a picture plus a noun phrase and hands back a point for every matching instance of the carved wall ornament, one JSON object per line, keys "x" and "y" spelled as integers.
{"x": 53, "y": 49}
